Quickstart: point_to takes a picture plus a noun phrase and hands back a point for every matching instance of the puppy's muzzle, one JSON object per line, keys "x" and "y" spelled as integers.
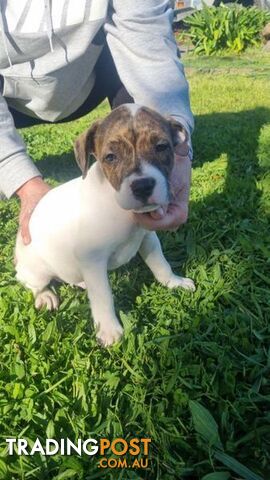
{"x": 143, "y": 188}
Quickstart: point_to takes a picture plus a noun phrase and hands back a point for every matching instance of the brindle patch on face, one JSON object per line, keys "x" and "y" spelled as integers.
{"x": 153, "y": 131}
{"x": 122, "y": 141}
{"x": 116, "y": 136}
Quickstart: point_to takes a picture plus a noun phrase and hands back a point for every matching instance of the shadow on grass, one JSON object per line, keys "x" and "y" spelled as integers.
{"x": 236, "y": 136}
{"x": 61, "y": 168}
{"x": 233, "y": 133}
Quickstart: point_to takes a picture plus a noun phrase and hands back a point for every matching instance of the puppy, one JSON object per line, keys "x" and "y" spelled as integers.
{"x": 85, "y": 227}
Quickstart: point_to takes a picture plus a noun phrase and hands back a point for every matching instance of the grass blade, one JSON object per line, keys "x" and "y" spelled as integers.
{"x": 236, "y": 466}
{"x": 205, "y": 424}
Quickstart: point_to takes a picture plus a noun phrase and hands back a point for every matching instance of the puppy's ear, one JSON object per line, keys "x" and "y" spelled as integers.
{"x": 179, "y": 136}
{"x": 84, "y": 146}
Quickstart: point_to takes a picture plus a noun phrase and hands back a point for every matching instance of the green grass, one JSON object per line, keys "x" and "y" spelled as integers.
{"x": 193, "y": 369}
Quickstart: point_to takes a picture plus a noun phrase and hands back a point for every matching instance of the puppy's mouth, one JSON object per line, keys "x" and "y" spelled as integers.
{"x": 145, "y": 191}
{"x": 146, "y": 208}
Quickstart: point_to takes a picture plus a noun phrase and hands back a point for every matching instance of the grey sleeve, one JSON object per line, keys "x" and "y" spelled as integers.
{"x": 16, "y": 168}
{"x": 142, "y": 44}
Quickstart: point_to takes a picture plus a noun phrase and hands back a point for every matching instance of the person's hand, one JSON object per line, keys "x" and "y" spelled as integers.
{"x": 30, "y": 193}
{"x": 176, "y": 213}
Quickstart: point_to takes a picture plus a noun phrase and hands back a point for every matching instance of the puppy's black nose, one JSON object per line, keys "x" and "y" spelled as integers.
{"x": 143, "y": 188}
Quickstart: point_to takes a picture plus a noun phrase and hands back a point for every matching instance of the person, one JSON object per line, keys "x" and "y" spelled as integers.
{"x": 60, "y": 58}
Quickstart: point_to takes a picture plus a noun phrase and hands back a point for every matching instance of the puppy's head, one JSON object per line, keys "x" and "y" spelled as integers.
{"x": 135, "y": 147}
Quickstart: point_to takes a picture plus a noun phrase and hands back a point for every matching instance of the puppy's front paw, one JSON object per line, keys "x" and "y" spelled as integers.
{"x": 109, "y": 334}
{"x": 47, "y": 299}
{"x": 182, "y": 282}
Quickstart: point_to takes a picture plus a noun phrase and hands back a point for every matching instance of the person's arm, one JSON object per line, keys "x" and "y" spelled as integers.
{"x": 142, "y": 44}
{"x": 16, "y": 168}
{"x": 145, "y": 53}
{"x": 18, "y": 174}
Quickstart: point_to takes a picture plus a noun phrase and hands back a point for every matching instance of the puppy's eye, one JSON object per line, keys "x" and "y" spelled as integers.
{"x": 110, "y": 158}
{"x": 162, "y": 147}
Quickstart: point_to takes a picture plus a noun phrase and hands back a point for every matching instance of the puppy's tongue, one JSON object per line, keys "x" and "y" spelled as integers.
{"x": 158, "y": 214}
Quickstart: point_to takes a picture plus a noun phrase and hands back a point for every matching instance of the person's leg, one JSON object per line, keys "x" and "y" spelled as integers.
{"x": 107, "y": 85}
{"x": 21, "y": 120}
{"x": 112, "y": 85}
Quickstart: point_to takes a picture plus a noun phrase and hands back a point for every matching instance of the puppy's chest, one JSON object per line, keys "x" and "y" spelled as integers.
{"x": 125, "y": 251}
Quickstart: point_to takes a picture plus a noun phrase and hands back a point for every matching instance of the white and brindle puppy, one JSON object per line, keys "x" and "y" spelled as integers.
{"x": 86, "y": 226}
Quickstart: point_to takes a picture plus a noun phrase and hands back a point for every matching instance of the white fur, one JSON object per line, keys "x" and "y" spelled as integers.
{"x": 78, "y": 232}
{"x": 132, "y": 107}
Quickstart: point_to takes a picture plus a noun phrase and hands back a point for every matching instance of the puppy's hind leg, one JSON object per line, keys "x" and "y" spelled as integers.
{"x": 33, "y": 273}
{"x": 46, "y": 298}
{"x": 38, "y": 282}
{"x": 152, "y": 254}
